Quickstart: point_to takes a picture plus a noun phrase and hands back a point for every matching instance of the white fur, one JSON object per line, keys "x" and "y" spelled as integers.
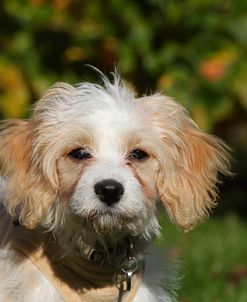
{"x": 21, "y": 281}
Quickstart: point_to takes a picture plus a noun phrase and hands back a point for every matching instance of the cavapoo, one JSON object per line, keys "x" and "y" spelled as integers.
{"x": 81, "y": 185}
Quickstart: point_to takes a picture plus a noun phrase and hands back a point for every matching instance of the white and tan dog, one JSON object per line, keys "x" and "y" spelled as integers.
{"x": 81, "y": 184}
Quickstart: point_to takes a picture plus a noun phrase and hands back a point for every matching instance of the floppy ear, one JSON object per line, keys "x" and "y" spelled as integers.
{"x": 190, "y": 162}
{"x": 28, "y": 194}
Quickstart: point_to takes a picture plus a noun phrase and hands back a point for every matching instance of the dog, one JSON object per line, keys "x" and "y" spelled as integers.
{"x": 81, "y": 188}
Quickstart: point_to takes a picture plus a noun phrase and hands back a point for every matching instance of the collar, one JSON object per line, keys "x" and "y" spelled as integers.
{"x": 119, "y": 257}
{"x": 107, "y": 255}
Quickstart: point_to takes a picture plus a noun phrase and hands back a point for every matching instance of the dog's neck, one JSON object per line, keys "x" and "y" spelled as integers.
{"x": 111, "y": 260}
{"x": 72, "y": 273}
{"x": 87, "y": 266}
{"x": 103, "y": 254}
{"x": 74, "y": 276}
{"x": 100, "y": 268}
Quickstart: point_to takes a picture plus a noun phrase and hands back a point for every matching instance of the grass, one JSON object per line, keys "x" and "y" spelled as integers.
{"x": 213, "y": 259}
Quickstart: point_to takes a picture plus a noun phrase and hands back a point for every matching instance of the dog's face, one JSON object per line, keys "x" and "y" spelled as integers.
{"x": 108, "y": 165}
{"x": 98, "y": 156}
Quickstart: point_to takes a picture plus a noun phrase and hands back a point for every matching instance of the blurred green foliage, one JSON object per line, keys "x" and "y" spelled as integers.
{"x": 211, "y": 260}
{"x": 193, "y": 50}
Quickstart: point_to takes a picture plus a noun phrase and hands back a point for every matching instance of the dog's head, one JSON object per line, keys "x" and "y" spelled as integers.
{"x": 98, "y": 155}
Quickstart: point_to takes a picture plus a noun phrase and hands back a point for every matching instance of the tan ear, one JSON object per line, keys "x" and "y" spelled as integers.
{"x": 28, "y": 194}
{"x": 190, "y": 163}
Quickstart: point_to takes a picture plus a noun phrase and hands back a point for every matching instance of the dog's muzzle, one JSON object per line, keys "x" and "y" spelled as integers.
{"x": 109, "y": 191}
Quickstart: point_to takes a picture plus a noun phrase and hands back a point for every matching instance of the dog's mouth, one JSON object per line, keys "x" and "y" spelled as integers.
{"x": 108, "y": 221}
{"x": 106, "y": 224}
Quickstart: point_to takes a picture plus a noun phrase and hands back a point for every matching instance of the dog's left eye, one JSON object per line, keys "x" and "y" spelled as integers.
{"x": 80, "y": 154}
{"x": 138, "y": 154}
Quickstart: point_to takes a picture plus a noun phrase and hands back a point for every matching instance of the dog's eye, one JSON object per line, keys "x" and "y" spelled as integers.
{"x": 138, "y": 154}
{"x": 80, "y": 154}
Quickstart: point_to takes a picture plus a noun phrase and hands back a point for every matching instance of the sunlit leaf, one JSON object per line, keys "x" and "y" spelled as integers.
{"x": 14, "y": 93}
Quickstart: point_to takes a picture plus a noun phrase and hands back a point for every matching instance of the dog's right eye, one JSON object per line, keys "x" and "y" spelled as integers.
{"x": 80, "y": 154}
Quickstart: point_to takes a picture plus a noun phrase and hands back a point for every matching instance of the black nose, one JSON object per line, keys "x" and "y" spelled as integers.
{"x": 109, "y": 191}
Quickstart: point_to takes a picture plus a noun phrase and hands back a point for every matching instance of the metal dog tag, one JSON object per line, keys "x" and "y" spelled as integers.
{"x": 129, "y": 267}
{"x": 129, "y": 276}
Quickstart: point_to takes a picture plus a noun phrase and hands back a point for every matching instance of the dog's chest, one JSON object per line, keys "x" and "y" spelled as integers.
{"x": 72, "y": 287}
